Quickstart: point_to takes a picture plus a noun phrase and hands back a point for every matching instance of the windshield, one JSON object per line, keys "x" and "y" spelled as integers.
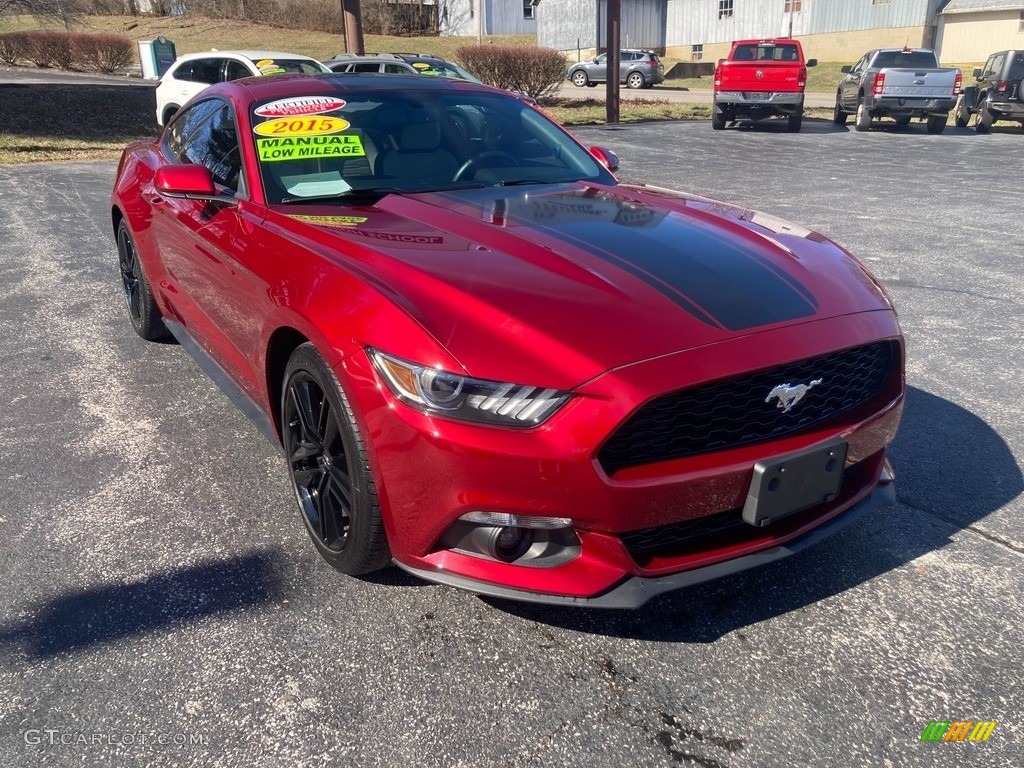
{"x": 375, "y": 143}
{"x": 444, "y": 69}
{"x": 294, "y": 66}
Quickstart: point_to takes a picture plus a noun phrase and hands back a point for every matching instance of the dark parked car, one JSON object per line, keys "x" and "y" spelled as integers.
{"x": 637, "y": 69}
{"x": 997, "y": 95}
{"x": 486, "y": 359}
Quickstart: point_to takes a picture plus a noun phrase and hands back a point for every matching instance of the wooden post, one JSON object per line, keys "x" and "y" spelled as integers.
{"x": 612, "y": 81}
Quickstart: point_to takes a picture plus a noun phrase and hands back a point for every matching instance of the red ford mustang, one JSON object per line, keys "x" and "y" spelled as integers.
{"x": 488, "y": 361}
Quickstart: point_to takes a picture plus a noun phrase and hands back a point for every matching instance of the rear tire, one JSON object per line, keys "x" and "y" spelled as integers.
{"x": 328, "y": 467}
{"x": 838, "y": 116}
{"x": 937, "y": 123}
{"x": 795, "y": 121}
{"x": 717, "y": 119}
{"x": 863, "y": 121}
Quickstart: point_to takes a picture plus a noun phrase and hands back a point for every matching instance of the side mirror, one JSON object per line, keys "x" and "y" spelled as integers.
{"x": 606, "y": 157}
{"x": 189, "y": 181}
{"x": 846, "y": 70}
{"x": 812, "y": 62}
{"x": 977, "y": 73}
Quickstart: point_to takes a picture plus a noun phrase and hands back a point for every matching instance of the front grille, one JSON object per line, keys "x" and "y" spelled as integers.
{"x": 733, "y": 412}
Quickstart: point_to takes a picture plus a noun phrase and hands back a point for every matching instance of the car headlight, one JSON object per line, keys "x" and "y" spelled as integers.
{"x": 460, "y": 397}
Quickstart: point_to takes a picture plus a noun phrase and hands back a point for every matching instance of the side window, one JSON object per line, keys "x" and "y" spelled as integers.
{"x": 214, "y": 143}
{"x": 396, "y": 69}
{"x": 184, "y": 72}
{"x": 997, "y": 64}
{"x": 185, "y": 125}
{"x": 206, "y": 71}
{"x": 235, "y": 70}
{"x": 366, "y": 66}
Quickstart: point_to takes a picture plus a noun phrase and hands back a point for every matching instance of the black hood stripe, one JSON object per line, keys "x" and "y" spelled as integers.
{"x": 718, "y": 281}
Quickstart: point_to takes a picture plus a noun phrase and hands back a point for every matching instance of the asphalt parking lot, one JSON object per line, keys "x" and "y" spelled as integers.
{"x": 161, "y": 605}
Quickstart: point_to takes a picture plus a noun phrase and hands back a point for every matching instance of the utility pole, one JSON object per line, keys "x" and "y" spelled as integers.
{"x": 353, "y": 26}
{"x": 612, "y": 78}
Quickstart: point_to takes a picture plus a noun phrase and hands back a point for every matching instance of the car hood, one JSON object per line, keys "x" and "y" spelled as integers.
{"x": 556, "y": 284}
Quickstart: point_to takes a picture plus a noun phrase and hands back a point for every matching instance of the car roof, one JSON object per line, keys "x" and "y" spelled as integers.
{"x": 254, "y": 55}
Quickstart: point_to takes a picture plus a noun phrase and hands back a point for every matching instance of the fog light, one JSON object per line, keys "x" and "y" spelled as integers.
{"x": 508, "y": 544}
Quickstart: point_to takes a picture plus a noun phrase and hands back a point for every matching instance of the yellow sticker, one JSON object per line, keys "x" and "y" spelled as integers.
{"x": 300, "y": 147}
{"x": 272, "y": 71}
{"x": 264, "y": 63}
{"x": 421, "y": 65}
{"x": 301, "y": 126}
{"x": 332, "y": 221}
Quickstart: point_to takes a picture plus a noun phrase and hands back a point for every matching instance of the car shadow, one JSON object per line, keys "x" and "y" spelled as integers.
{"x": 939, "y": 447}
{"x": 81, "y": 619}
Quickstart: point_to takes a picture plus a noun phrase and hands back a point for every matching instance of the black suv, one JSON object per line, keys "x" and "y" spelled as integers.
{"x": 998, "y": 94}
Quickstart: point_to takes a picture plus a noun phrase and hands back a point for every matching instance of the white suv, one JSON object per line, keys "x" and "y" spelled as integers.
{"x": 191, "y": 73}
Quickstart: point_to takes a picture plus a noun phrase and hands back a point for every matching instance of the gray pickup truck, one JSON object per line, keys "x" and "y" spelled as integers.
{"x": 901, "y": 83}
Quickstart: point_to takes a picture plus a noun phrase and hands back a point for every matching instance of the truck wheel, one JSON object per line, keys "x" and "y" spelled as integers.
{"x": 717, "y": 118}
{"x": 961, "y": 116}
{"x": 863, "y": 122}
{"x": 937, "y": 123}
{"x": 983, "y": 122}
{"x": 838, "y": 116}
{"x": 795, "y": 121}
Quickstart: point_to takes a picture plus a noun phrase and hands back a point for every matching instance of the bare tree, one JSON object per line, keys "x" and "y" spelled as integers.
{"x": 64, "y": 11}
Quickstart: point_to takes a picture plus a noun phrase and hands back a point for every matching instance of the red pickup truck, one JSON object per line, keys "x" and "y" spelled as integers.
{"x": 761, "y": 78}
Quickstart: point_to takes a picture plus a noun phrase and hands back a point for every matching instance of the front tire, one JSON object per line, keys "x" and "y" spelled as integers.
{"x": 961, "y": 117}
{"x": 838, "y": 116}
{"x": 983, "y": 122}
{"x": 580, "y": 79}
{"x": 635, "y": 80}
{"x": 863, "y": 121}
{"x": 138, "y": 296}
{"x": 328, "y": 466}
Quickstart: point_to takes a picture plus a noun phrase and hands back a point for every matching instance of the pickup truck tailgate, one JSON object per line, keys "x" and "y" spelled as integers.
{"x": 761, "y": 76}
{"x": 919, "y": 84}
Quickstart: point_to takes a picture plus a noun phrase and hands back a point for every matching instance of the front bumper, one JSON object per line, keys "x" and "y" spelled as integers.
{"x": 431, "y": 471}
{"x": 634, "y": 591}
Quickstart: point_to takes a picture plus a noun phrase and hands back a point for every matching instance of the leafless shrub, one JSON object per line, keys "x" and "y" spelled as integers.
{"x": 12, "y": 47}
{"x": 106, "y": 53}
{"x": 535, "y": 71}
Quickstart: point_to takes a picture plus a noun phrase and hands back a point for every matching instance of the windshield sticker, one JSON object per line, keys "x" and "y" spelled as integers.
{"x": 301, "y": 126}
{"x": 269, "y": 67}
{"x": 300, "y": 147}
{"x": 421, "y": 65}
{"x": 332, "y": 221}
{"x": 301, "y": 105}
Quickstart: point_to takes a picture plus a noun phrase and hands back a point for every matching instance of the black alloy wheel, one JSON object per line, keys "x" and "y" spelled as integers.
{"x": 328, "y": 467}
{"x": 138, "y": 298}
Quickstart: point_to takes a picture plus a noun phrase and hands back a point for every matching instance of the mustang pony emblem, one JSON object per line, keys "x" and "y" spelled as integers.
{"x": 790, "y": 396}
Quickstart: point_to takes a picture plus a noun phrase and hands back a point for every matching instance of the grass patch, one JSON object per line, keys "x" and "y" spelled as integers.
{"x": 571, "y": 111}
{"x": 72, "y": 122}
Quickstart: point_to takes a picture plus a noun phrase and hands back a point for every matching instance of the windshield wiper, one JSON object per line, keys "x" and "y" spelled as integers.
{"x": 520, "y": 182}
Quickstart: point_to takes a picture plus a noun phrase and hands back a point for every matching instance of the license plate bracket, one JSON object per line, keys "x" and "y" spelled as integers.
{"x": 796, "y": 481}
